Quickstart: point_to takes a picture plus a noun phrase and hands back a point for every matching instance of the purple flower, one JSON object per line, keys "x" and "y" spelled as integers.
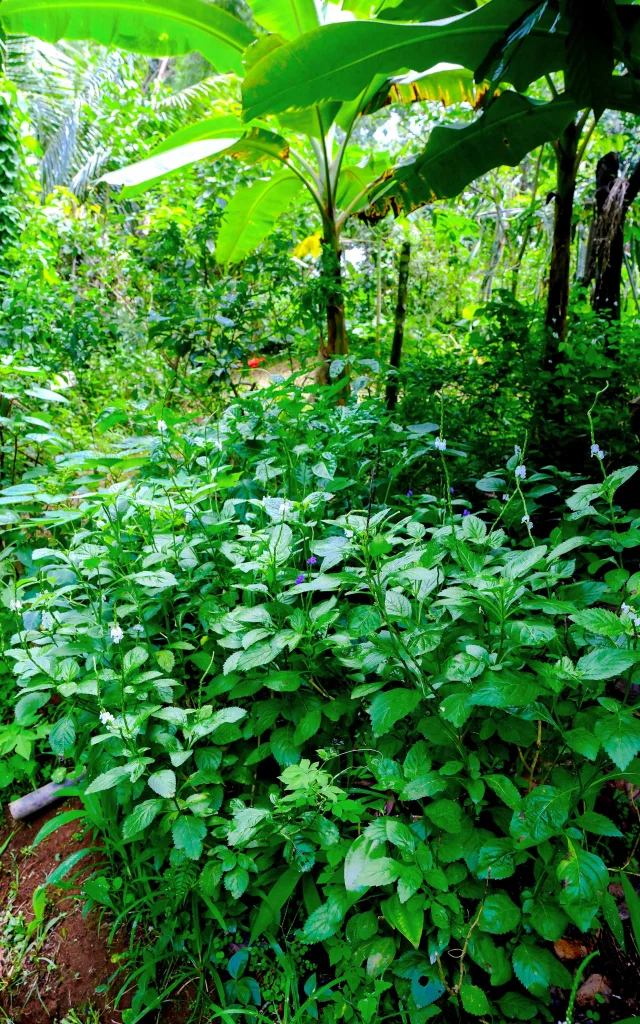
{"x": 300, "y": 578}
{"x": 409, "y": 494}
{"x": 466, "y": 512}
{"x": 312, "y": 560}
{"x": 452, "y": 490}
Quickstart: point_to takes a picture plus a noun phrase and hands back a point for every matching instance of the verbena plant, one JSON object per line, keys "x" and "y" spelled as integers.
{"x": 351, "y": 750}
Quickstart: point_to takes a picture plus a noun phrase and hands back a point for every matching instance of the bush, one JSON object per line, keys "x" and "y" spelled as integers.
{"x": 349, "y": 749}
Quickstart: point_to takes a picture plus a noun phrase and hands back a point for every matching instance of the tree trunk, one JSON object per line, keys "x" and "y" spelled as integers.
{"x": 337, "y": 343}
{"x": 560, "y": 268}
{"x": 614, "y": 196}
{"x": 398, "y": 334}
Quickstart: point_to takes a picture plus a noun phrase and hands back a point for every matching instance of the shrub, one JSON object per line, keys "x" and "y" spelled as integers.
{"x": 350, "y": 750}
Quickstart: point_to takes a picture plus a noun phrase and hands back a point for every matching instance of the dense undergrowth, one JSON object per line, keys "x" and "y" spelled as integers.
{"x": 356, "y": 721}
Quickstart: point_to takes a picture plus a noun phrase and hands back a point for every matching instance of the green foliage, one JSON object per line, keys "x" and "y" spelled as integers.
{"x": 319, "y": 712}
{"x": 9, "y": 169}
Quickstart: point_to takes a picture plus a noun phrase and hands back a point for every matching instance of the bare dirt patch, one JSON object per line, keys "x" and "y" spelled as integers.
{"x": 68, "y": 957}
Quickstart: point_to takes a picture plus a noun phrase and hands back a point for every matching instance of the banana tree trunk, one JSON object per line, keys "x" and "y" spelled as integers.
{"x": 559, "y": 270}
{"x": 398, "y": 334}
{"x": 337, "y": 343}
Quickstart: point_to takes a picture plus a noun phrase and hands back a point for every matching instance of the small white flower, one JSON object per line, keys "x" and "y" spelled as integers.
{"x": 188, "y": 515}
{"x": 505, "y": 497}
{"x": 162, "y": 427}
{"x": 116, "y": 634}
{"x": 15, "y": 606}
{"x": 106, "y": 718}
{"x": 526, "y": 520}
{"x": 138, "y": 628}
{"x": 46, "y": 621}
{"x": 597, "y": 451}
{"x": 284, "y": 508}
{"x": 433, "y": 958}
{"x": 440, "y": 444}
{"x": 517, "y": 451}
{"x": 636, "y": 622}
{"x": 521, "y": 472}
{"x": 624, "y": 608}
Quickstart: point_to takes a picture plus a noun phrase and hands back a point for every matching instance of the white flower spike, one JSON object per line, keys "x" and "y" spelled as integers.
{"x": 116, "y": 634}
{"x": 440, "y": 444}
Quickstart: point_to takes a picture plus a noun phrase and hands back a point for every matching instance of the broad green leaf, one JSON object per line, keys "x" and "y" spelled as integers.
{"x": 445, "y": 814}
{"x": 142, "y": 816}
{"x": 382, "y": 952}
{"x": 455, "y": 156}
{"x": 46, "y": 395}
{"x": 143, "y": 174}
{"x": 340, "y": 60}
{"x": 446, "y": 87}
{"x": 505, "y": 789}
{"x": 272, "y": 904}
{"x": 213, "y": 137}
{"x": 323, "y": 922}
{"x": 583, "y": 877}
{"x": 418, "y": 10}
{"x": 537, "y": 969}
{"x": 599, "y": 621}
{"x": 389, "y": 706}
{"x": 188, "y": 833}
{"x": 496, "y": 859}
{"x": 605, "y": 663}
{"x": 596, "y": 823}
{"x": 163, "y": 783}
{"x": 583, "y": 742}
{"x": 407, "y": 917}
{"x": 619, "y": 734}
{"x": 236, "y": 882}
{"x": 252, "y": 213}
{"x": 156, "y": 28}
{"x": 287, "y": 18}
{"x": 517, "y": 1006}
{"x": 474, "y": 1001}
{"x": 548, "y": 919}
{"x": 499, "y": 914}
{"x": 159, "y": 579}
{"x": 543, "y": 814}
{"x": 108, "y": 779}
{"x": 133, "y": 659}
{"x": 63, "y": 736}
{"x": 366, "y": 864}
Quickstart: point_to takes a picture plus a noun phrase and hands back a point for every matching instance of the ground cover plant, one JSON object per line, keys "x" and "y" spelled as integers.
{"x": 319, "y": 512}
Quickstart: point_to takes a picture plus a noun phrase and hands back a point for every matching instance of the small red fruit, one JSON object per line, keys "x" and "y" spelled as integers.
{"x": 255, "y": 361}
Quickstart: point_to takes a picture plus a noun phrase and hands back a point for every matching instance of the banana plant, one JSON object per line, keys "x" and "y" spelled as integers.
{"x": 317, "y": 79}
{"x": 310, "y": 148}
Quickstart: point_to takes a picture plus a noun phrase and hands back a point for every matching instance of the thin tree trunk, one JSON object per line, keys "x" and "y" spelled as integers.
{"x": 337, "y": 343}
{"x": 526, "y": 235}
{"x": 398, "y": 334}
{"x": 560, "y": 268}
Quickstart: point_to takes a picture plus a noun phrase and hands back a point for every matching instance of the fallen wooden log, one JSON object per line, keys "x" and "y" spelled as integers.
{"x": 43, "y": 797}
